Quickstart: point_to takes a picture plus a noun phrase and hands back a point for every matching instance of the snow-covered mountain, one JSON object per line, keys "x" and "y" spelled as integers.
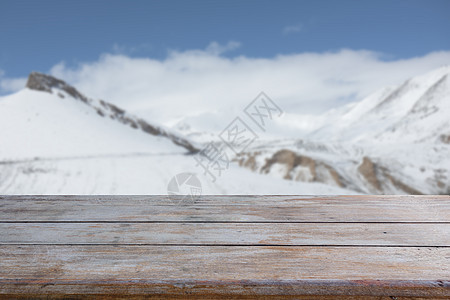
{"x": 395, "y": 141}
{"x": 418, "y": 110}
{"x": 55, "y": 140}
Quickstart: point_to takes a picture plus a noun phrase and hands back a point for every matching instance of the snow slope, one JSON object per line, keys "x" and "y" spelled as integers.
{"x": 40, "y": 124}
{"x": 395, "y": 141}
{"x": 139, "y": 174}
{"x": 416, "y": 111}
{"x": 54, "y": 140}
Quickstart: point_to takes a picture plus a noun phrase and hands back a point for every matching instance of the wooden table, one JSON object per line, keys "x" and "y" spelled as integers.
{"x": 299, "y": 247}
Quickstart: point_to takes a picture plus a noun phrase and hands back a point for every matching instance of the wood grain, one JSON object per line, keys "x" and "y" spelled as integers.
{"x": 294, "y": 247}
{"x": 219, "y": 265}
{"x": 333, "y": 234}
{"x": 210, "y": 209}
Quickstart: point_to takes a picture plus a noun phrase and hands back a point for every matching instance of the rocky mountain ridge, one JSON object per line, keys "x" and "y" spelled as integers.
{"x": 395, "y": 141}
{"x": 46, "y": 83}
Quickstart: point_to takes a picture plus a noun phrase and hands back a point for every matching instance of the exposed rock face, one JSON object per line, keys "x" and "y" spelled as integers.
{"x": 287, "y": 158}
{"x": 295, "y": 167}
{"x": 335, "y": 175}
{"x": 445, "y": 138}
{"x": 42, "y": 82}
{"x": 379, "y": 178}
{"x": 400, "y": 185}
{"x": 367, "y": 169}
{"x": 365, "y": 177}
{"x": 46, "y": 83}
{"x": 248, "y": 160}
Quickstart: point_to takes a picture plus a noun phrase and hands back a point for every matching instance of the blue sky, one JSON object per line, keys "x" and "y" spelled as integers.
{"x": 36, "y": 35}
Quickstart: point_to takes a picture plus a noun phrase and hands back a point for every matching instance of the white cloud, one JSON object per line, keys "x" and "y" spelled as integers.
{"x": 189, "y": 83}
{"x": 292, "y": 29}
{"x": 216, "y": 49}
{"x": 10, "y": 85}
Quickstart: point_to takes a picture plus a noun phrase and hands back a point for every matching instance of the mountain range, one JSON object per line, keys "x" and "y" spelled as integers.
{"x": 55, "y": 140}
{"x": 395, "y": 141}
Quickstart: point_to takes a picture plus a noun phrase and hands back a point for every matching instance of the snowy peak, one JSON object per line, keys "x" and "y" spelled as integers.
{"x": 46, "y": 83}
{"x": 414, "y": 111}
{"x": 429, "y": 102}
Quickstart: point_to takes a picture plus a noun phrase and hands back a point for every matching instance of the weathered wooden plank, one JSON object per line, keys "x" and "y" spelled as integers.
{"x": 187, "y": 295}
{"x": 377, "y": 234}
{"x": 327, "y": 254}
{"x": 222, "y": 263}
{"x": 300, "y": 289}
{"x": 291, "y": 209}
{"x": 205, "y": 269}
{"x": 210, "y": 200}
{"x": 184, "y": 295}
